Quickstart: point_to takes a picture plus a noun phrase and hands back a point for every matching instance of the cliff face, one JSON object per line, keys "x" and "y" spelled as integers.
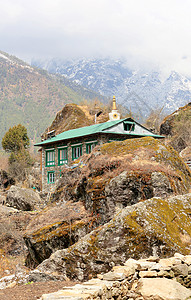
{"x": 114, "y": 176}
{"x": 177, "y": 127}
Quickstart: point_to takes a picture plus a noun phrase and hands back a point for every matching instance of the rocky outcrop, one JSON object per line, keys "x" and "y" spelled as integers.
{"x": 123, "y": 173}
{"x": 74, "y": 116}
{"x": 57, "y": 227}
{"x": 152, "y": 278}
{"x": 153, "y": 227}
{"x": 23, "y": 199}
{"x": 12, "y": 247}
{"x": 177, "y": 127}
{"x": 113, "y": 176}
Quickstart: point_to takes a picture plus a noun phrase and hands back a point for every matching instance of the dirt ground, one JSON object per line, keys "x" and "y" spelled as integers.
{"x": 33, "y": 291}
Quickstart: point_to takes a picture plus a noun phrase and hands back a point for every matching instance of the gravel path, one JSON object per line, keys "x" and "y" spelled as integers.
{"x": 33, "y": 291}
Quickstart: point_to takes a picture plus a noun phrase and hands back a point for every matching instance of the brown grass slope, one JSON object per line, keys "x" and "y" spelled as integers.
{"x": 177, "y": 127}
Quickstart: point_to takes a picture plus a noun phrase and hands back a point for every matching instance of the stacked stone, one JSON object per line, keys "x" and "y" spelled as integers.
{"x": 152, "y": 278}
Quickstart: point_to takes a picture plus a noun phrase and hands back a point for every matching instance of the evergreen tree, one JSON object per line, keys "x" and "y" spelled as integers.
{"x": 15, "y": 139}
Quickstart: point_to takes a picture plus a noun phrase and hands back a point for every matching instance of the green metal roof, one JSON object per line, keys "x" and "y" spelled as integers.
{"x": 82, "y": 131}
{"x": 90, "y": 130}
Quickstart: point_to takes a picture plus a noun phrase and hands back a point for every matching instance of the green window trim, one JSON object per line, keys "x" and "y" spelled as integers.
{"x": 90, "y": 146}
{"x": 51, "y": 177}
{"x": 50, "y": 158}
{"x": 76, "y": 151}
{"x": 62, "y": 156}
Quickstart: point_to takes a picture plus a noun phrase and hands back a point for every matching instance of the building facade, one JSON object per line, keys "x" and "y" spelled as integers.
{"x": 65, "y": 148}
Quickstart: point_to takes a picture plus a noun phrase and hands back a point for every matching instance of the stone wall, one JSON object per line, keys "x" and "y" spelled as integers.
{"x": 152, "y": 278}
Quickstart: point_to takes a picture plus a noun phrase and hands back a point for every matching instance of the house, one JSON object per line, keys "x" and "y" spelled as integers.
{"x": 64, "y": 148}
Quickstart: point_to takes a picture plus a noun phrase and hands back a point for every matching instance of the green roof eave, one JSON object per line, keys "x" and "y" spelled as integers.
{"x": 136, "y": 134}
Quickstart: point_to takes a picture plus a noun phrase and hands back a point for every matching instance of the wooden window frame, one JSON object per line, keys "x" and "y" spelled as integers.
{"x": 62, "y": 162}
{"x": 49, "y": 173}
{"x": 50, "y": 163}
{"x": 74, "y": 147}
{"x": 94, "y": 143}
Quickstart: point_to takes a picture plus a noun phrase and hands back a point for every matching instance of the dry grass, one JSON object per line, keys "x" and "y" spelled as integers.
{"x": 67, "y": 212}
{"x": 138, "y": 161}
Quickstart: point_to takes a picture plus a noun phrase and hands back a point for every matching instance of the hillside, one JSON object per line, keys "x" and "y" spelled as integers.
{"x": 75, "y": 116}
{"x": 177, "y": 127}
{"x": 118, "y": 202}
{"x": 32, "y": 97}
{"x": 114, "y": 176}
{"x": 139, "y": 91}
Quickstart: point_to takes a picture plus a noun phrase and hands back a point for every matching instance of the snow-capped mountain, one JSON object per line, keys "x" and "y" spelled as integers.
{"x": 138, "y": 91}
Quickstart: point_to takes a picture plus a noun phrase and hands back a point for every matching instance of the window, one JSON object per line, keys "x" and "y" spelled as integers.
{"x": 90, "y": 146}
{"x": 76, "y": 151}
{"x": 62, "y": 156}
{"x": 51, "y": 177}
{"x": 50, "y": 158}
{"x": 129, "y": 126}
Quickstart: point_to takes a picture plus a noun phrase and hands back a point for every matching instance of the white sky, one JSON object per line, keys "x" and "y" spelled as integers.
{"x": 154, "y": 33}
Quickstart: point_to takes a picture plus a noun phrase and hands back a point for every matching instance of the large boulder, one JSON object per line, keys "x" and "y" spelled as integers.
{"x": 163, "y": 289}
{"x": 152, "y": 227}
{"x": 57, "y": 227}
{"x": 23, "y": 199}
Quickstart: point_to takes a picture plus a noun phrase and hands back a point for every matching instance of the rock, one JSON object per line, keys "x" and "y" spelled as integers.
{"x": 143, "y": 274}
{"x": 166, "y": 273}
{"x": 145, "y": 265}
{"x": 23, "y": 199}
{"x": 180, "y": 256}
{"x": 187, "y": 259}
{"x": 153, "y": 259}
{"x": 161, "y": 185}
{"x": 168, "y": 262}
{"x": 37, "y": 276}
{"x": 180, "y": 270}
{"x": 131, "y": 233}
{"x": 112, "y": 276}
{"x": 12, "y": 280}
{"x": 126, "y": 270}
{"x": 59, "y": 226}
{"x": 163, "y": 289}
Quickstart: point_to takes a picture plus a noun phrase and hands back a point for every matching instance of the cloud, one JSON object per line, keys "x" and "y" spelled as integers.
{"x": 149, "y": 32}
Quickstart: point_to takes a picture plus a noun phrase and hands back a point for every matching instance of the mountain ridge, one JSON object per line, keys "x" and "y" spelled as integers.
{"x": 32, "y": 97}
{"x": 140, "y": 92}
